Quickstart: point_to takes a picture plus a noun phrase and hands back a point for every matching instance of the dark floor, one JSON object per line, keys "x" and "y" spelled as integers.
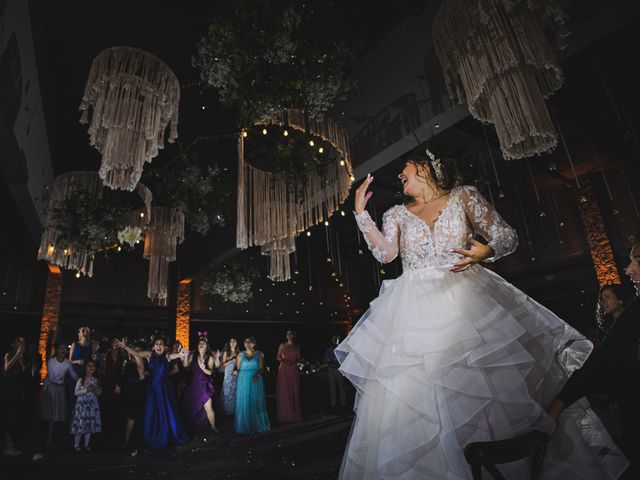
{"x": 311, "y": 449}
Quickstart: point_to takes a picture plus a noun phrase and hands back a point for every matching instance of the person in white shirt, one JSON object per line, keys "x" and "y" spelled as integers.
{"x": 53, "y": 403}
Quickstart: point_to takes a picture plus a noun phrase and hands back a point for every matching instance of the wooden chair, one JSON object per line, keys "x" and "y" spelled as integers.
{"x": 490, "y": 454}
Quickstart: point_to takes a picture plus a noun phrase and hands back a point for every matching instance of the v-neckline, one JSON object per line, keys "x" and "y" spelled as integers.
{"x": 432, "y": 228}
{"x": 250, "y": 357}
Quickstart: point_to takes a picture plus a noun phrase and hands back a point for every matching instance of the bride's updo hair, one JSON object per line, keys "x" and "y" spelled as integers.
{"x": 418, "y": 157}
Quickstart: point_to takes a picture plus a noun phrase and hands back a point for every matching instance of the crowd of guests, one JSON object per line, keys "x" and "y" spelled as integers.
{"x": 151, "y": 392}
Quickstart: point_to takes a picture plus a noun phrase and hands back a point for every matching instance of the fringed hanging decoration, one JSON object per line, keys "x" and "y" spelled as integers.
{"x": 134, "y": 97}
{"x": 271, "y": 212}
{"x": 164, "y": 232}
{"x": 51, "y": 248}
{"x": 501, "y": 58}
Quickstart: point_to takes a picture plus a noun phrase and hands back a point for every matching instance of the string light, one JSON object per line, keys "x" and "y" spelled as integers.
{"x": 141, "y": 214}
{"x": 119, "y": 248}
{"x": 308, "y": 234}
{"x": 321, "y": 150}
{"x": 78, "y": 275}
{"x": 311, "y": 144}
{"x": 342, "y": 213}
{"x": 244, "y": 134}
{"x": 264, "y": 131}
{"x": 342, "y": 163}
{"x": 352, "y": 178}
{"x": 286, "y": 133}
{"x": 326, "y": 223}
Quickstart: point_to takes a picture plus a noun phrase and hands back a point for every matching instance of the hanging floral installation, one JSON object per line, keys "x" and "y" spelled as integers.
{"x": 135, "y": 98}
{"x": 275, "y": 205}
{"x": 281, "y": 66}
{"x": 84, "y": 218}
{"x": 202, "y": 193}
{"x": 229, "y": 281}
{"x": 263, "y": 57}
{"x": 501, "y": 58}
{"x": 164, "y": 232}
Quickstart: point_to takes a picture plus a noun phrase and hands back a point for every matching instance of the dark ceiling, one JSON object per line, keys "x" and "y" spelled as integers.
{"x": 71, "y": 35}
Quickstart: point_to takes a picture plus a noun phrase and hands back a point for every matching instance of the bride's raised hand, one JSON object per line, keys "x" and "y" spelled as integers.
{"x": 362, "y": 196}
{"x": 476, "y": 253}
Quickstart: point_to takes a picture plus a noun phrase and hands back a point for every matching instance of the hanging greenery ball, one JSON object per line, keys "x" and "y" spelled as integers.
{"x": 266, "y": 56}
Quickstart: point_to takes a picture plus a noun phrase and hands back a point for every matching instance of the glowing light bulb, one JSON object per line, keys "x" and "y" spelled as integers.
{"x": 342, "y": 163}
{"x": 308, "y": 234}
{"x": 326, "y": 223}
{"x": 342, "y": 213}
{"x": 119, "y": 248}
{"x": 244, "y": 134}
{"x": 321, "y": 150}
{"x": 286, "y": 133}
{"x": 264, "y": 131}
{"x": 78, "y": 275}
{"x": 311, "y": 143}
{"x": 141, "y": 214}
{"x": 352, "y": 178}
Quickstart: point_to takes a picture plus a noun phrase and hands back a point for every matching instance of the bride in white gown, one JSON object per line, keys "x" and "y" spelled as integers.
{"x": 450, "y": 353}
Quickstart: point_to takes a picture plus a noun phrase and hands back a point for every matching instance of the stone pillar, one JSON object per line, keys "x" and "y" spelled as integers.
{"x": 599, "y": 244}
{"x": 50, "y": 316}
{"x": 183, "y": 311}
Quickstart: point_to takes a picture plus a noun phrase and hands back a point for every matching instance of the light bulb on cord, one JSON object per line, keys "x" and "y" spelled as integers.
{"x": 321, "y": 150}
{"x": 244, "y": 134}
{"x": 311, "y": 143}
{"x": 342, "y": 163}
{"x": 285, "y": 133}
{"x": 264, "y": 131}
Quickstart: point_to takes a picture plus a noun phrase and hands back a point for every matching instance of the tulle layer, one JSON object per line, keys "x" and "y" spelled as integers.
{"x": 441, "y": 360}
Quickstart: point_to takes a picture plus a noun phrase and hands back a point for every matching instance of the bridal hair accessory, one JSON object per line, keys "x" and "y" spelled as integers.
{"x": 437, "y": 166}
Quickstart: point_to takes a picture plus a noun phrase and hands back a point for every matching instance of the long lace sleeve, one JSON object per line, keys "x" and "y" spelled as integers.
{"x": 383, "y": 245}
{"x": 486, "y": 220}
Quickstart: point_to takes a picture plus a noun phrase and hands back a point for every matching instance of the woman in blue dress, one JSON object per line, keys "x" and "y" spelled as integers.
{"x": 162, "y": 424}
{"x": 229, "y": 360}
{"x": 251, "y": 405}
{"x": 80, "y": 352}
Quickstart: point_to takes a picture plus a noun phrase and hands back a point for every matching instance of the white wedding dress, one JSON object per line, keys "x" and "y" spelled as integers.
{"x": 442, "y": 359}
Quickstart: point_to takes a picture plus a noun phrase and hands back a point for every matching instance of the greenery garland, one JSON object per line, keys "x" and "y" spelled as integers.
{"x": 289, "y": 152}
{"x": 265, "y": 56}
{"x": 229, "y": 281}
{"x": 203, "y": 193}
{"x": 90, "y": 223}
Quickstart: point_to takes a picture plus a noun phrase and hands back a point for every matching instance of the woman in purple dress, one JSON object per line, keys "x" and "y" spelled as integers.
{"x": 197, "y": 403}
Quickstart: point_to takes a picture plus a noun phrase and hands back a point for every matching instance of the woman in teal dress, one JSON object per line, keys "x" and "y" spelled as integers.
{"x": 251, "y": 405}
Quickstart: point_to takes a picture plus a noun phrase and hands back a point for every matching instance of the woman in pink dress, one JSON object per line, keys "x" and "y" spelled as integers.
{"x": 288, "y": 389}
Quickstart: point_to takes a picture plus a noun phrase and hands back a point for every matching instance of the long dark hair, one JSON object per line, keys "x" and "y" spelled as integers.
{"x": 227, "y": 348}
{"x": 605, "y": 322}
{"x": 207, "y": 352}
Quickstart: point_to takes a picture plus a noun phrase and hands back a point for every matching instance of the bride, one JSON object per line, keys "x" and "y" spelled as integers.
{"x": 450, "y": 353}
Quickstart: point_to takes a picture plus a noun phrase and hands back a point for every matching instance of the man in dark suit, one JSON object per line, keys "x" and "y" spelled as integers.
{"x": 613, "y": 367}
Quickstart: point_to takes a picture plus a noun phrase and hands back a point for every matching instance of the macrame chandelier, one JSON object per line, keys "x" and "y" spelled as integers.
{"x": 52, "y": 249}
{"x": 134, "y": 97}
{"x": 501, "y": 57}
{"x": 164, "y": 232}
{"x": 271, "y": 212}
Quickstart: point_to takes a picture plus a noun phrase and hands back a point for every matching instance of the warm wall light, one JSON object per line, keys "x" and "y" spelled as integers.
{"x": 183, "y": 311}
{"x": 50, "y": 316}
{"x": 599, "y": 244}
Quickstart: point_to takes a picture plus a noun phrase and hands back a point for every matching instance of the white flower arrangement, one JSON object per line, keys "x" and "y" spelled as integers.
{"x": 130, "y": 235}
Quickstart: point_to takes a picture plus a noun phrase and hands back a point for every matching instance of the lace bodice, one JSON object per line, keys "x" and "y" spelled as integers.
{"x": 420, "y": 245}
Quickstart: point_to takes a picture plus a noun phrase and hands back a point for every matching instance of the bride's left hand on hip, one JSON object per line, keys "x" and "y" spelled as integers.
{"x": 476, "y": 253}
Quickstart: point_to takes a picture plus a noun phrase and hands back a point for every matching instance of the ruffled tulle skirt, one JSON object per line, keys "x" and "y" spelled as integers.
{"x": 441, "y": 360}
